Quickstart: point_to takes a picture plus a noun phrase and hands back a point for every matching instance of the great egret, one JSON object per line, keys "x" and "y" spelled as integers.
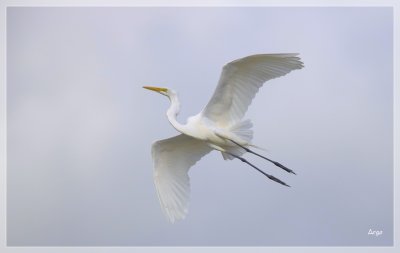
{"x": 218, "y": 126}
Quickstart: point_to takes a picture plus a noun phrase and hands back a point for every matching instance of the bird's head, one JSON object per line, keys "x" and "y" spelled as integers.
{"x": 162, "y": 91}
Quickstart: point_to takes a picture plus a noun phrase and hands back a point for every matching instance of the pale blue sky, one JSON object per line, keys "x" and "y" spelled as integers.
{"x": 80, "y": 126}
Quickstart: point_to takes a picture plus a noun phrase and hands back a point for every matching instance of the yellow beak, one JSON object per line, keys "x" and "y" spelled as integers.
{"x": 158, "y": 89}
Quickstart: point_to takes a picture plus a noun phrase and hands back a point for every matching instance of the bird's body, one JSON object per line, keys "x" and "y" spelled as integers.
{"x": 205, "y": 130}
{"x": 219, "y": 126}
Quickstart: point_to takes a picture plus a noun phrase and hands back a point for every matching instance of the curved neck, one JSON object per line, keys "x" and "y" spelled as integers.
{"x": 173, "y": 111}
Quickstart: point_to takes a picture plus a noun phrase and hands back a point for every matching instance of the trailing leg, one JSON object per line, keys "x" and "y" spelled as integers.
{"x": 265, "y": 174}
{"x": 275, "y": 163}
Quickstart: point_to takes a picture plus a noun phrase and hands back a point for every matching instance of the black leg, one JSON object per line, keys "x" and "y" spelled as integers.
{"x": 265, "y": 174}
{"x": 275, "y": 163}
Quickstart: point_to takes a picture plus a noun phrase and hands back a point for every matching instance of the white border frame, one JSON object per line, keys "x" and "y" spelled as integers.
{"x": 196, "y": 3}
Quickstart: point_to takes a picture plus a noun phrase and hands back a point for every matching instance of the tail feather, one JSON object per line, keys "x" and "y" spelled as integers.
{"x": 243, "y": 130}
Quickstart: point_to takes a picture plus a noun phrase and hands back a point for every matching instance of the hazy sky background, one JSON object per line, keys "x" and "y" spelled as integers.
{"x": 80, "y": 127}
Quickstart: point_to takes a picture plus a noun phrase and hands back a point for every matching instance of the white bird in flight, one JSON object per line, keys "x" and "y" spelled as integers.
{"x": 219, "y": 126}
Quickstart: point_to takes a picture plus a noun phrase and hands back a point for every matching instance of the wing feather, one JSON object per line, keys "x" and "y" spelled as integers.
{"x": 240, "y": 81}
{"x": 172, "y": 160}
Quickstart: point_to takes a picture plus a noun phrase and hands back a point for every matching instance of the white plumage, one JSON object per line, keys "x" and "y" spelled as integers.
{"x": 218, "y": 126}
{"x": 240, "y": 81}
{"x": 172, "y": 159}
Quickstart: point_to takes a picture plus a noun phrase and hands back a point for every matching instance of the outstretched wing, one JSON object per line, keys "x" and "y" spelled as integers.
{"x": 240, "y": 81}
{"x": 172, "y": 159}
